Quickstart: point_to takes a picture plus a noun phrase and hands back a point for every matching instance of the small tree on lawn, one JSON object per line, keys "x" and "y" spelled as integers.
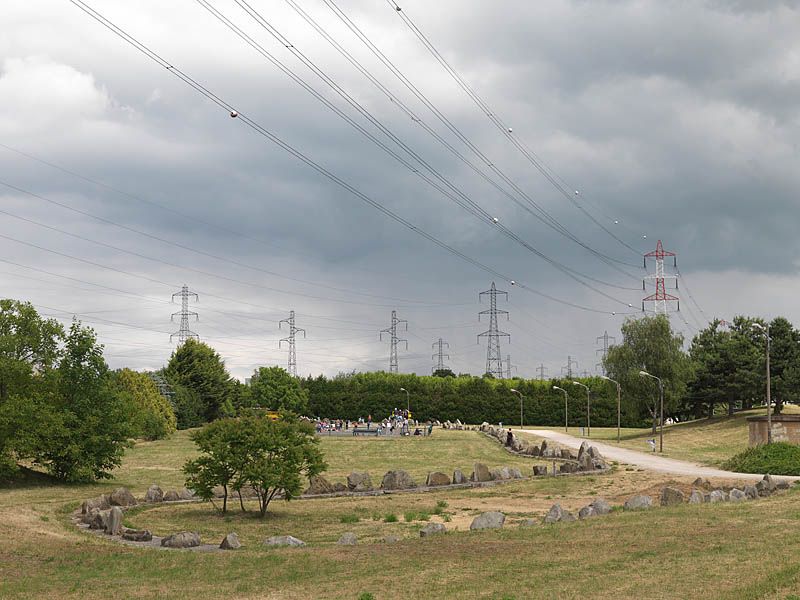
{"x": 221, "y": 462}
{"x": 279, "y": 454}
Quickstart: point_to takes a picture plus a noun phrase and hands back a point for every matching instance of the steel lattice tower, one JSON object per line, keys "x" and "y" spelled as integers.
{"x": 605, "y": 337}
{"x": 292, "y": 369}
{"x": 184, "y": 333}
{"x": 541, "y": 371}
{"x": 440, "y": 354}
{"x": 509, "y": 366}
{"x": 392, "y": 331}
{"x": 494, "y": 361}
{"x": 661, "y": 297}
{"x": 568, "y": 368}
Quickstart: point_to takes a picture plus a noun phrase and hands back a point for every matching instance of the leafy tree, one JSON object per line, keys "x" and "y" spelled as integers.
{"x": 648, "y": 344}
{"x": 196, "y": 366}
{"x": 152, "y": 416}
{"x": 443, "y": 373}
{"x": 188, "y": 407}
{"x": 29, "y": 347}
{"x": 90, "y": 429}
{"x": 275, "y": 389}
{"x": 784, "y": 362}
{"x": 223, "y": 448}
{"x": 280, "y": 454}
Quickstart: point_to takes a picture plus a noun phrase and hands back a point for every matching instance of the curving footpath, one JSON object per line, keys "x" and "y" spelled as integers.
{"x": 644, "y": 460}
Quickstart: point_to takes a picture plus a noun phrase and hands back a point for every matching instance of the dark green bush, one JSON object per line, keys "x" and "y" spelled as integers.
{"x": 778, "y": 458}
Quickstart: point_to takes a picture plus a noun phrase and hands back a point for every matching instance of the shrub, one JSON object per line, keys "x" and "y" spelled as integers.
{"x": 779, "y": 458}
{"x": 390, "y": 518}
{"x": 349, "y": 518}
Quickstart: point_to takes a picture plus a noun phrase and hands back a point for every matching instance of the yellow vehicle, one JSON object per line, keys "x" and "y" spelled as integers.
{"x": 273, "y": 415}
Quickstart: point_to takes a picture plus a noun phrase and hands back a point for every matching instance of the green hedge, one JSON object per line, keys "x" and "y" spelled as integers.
{"x": 470, "y": 399}
{"x": 778, "y": 458}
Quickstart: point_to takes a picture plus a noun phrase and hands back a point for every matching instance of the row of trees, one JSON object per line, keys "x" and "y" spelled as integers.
{"x": 60, "y": 406}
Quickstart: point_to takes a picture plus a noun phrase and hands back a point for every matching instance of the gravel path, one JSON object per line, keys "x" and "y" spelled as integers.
{"x": 651, "y": 462}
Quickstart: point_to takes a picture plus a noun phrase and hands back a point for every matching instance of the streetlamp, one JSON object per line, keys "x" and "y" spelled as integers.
{"x": 761, "y": 327}
{"x": 661, "y": 396}
{"x": 566, "y": 396}
{"x": 588, "y": 422}
{"x": 408, "y": 400}
{"x": 619, "y": 396}
{"x": 520, "y": 405}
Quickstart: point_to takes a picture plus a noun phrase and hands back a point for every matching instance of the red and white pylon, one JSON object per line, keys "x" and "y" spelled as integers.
{"x": 660, "y": 298}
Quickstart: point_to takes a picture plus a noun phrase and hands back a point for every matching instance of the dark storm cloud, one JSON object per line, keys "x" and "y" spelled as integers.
{"x": 678, "y": 120}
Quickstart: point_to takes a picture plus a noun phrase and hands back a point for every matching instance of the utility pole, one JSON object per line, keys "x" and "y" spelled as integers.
{"x": 184, "y": 333}
{"x": 440, "y": 354}
{"x": 660, "y": 298}
{"x": 585, "y": 374}
{"x": 392, "y": 331}
{"x": 494, "y": 360}
{"x": 290, "y": 340}
{"x": 606, "y": 339}
{"x": 542, "y": 371}
{"x": 568, "y": 367}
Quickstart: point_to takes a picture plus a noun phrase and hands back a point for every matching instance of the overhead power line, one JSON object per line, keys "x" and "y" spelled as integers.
{"x": 302, "y": 157}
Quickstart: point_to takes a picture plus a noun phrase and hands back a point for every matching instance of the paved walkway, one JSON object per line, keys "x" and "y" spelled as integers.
{"x": 644, "y": 460}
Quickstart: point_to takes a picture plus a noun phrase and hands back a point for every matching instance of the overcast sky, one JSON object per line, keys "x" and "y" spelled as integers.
{"x": 675, "y": 121}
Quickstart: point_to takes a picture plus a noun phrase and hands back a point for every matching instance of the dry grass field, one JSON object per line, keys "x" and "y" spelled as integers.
{"x": 713, "y": 551}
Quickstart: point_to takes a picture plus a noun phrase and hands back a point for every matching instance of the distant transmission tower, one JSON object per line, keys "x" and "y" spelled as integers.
{"x": 542, "y": 371}
{"x": 606, "y": 338}
{"x": 661, "y": 297}
{"x": 494, "y": 361}
{"x": 392, "y": 331}
{"x": 439, "y": 355}
{"x": 568, "y": 367}
{"x": 184, "y": 333}
{"x": 290, "y": 340}
{"x": 509, "y": 366}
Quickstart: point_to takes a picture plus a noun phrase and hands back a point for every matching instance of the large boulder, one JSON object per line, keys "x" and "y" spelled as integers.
{"x": 359, "y": 482}
{"x": 488, "y": 520}
{"x": 595, "y": 453}
{"x": 458, "y": 477}
{"x": 717, "y": 496}
{"x": 565, "y": 453}
{"x": 171, "y": 496}
{"x": 348, "y": 539}
{"x": 99, "y": 520}
{"x": 317, "y": 484}
{"x": 432, "y": 529}
{"x": 696, "y": 497}
{"x": 397, "y": 480}
{"x": 584, "y": 449}
{"x": 554, "y": 514}
{"x": 184, "y": 539}
{"x": 767, "y": 485}
{"x": 737, "y": 495}
{"x": 497, "y": 474}
{"x": 154, "y": 494}
{"x": 585, "y": 462}
{"x": 98, "y": 503}
{"x": 702, "y": 483}
{"x": 539, "y": 471}
{"x": 600, "y": 506}
{"x": 283, "y": 540}
{"x": 137, "y": 535}
{"x": 671, "y": 496}
{"x": 480, "y": 472}
{"x": 391, "y": 539}
{"x": 436, "y": 478}
{"x": 586, "y": 512}
{"x": 339, "y": 487}
{"x": 515, "y": 473}
{"x": 751, "y": 492}
{"x": 567, "y": 467}
{"x": 638, "y": 503}
{"x": 230, "y": 542}
{"x": 114, "y": 523}
{"x": 121, "y": 497}
{"x": 185, "y": 494}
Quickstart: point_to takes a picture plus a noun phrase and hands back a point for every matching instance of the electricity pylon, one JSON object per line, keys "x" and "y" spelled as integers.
{"x": 290, "y": 340}
{"x": 494, "y": 361}
{"x": 392, "y": 331}
{"x": 606, "y": 338}
{"x": 184, "y": 333}
{"x": 439, "y": 355}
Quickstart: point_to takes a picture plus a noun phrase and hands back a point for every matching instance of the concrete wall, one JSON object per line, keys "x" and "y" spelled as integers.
{"x": 785, "y": 428}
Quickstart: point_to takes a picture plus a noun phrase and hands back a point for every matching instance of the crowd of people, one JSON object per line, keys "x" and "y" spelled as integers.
{"x": 399, "y": 422}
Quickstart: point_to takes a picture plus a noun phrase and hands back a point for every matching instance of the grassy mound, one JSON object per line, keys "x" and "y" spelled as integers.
{"x": 779, "y": 458}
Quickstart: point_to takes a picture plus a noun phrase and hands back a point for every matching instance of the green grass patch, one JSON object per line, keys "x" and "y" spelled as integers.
{"x": 390, "y": 518}
{"x": 349, "y": 518}
{"x": 779, "y": 458}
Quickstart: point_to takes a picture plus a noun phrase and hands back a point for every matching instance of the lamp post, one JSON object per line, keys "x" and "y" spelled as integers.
{"x": 588, "y": 402}
{"x": 761, "y": 327}
{"x": 408, "y": 400}
{"x": 566, "y": 396}
{"x": 619, "y": 398}
{"x": 520, "y": 405}
{"x": 661, "y": 396}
